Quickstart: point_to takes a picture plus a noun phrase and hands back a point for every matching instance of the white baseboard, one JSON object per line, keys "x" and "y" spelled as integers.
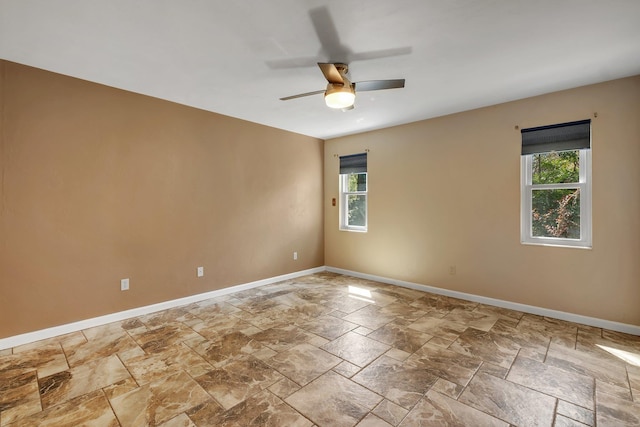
{"x": 576, "y": 318}
{"x": 140, "y": 311}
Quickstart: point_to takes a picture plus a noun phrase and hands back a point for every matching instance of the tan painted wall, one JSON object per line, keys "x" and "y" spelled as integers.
{"x": 446, "y": 192}
{"x": 100, "y": 184}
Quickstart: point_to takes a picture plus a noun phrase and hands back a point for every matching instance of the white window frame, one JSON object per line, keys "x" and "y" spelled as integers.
{"x": 344, "y": 203}
{"x": 527, "y": 188}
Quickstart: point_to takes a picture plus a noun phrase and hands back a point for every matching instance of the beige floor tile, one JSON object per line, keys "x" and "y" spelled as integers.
{"x": 238, "y": 380}
{"x": 159, "y": 401}
{"x": 578, "y": 413}
{"x": 634, "y": 376}
{"x": 403, "y": 311}
{"x": 155, "y": 340}
{"x": 507, "y": 401}
{"x": 90, "y": 409}
{"x": 260, "y": 410}
{"x": 181, "y": 420}
{"x": 623, "y": 393}
{"x": 146, "y": 368}
{"x": 19, "y": 395}
{"x": 370, "y": 317}
{"x": 612, "y": 411}
{"x": 97, "y": 348}
{"x": 439, "y": 410}
{"x": 333, "y": 400}
{"x": 355, "y": 348}
{"x": 115, "y": 328}
{"x": 303, "y": 363}
{"x": 390, "y": 412}
{"x": 447, "y": 388}
{"x": 347, "y": 303}
{"x": 213, "y": 328}
{"x": 400, "y": 337}
{"x": 347, "y": 369}
{"x": 438, "y": 327}
{"x": 72, "y": 338}
{"x": 167, "y": 317}
{"x": 47, "y": 359}
{"x": 119, "y": 388}
{"x": 440, "y": 305}
{"x": 570, "y": 386}
{"x": 562, "y": 421}
{"x": 488, "y": 346}
{"x": 80, "y": 380}
{"x": 588, "y": 364}
{"x": 328, "y": 327}
{"x": 371, "y": 420}
{"x": 403, "y": 383}
{"x": 283, "y": 337}
{"x": 284, "y": 388}
{"x": 501, "y": 313}
{"x": 226, "y": 348}
{"x": 398, "y": 354}
{"x": 211, "y": 308}
{"x": 532, "y": 341}
{"x": 474, "y": 319}
{"x": 447, "y": 364}
{"x": 495, "y": 370}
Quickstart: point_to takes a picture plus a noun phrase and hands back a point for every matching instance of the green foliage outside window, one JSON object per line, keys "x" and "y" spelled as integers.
{"x": 357, "y": 204}
{"x": 556, "y": 212}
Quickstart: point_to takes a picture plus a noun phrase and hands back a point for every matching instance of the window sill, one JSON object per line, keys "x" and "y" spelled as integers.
{"x": 353, "y": 230}
{"x": 557, "y": 245}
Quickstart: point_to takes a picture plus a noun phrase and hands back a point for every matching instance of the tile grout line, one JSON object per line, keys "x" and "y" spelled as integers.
{"x": 111, "y": 407}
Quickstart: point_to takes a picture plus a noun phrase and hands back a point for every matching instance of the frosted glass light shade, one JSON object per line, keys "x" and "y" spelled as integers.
{"x": 339, "y": 97}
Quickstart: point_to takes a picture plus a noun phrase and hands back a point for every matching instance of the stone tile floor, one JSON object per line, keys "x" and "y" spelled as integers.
{"x": 326, "y": 350}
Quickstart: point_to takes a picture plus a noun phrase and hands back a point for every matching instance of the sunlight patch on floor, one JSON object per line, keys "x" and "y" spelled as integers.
{"x": 360, "y": 294}
{"x": 627, "y": 356}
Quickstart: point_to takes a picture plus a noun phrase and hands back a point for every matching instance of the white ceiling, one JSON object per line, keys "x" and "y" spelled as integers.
{"x": 239, "y": 57}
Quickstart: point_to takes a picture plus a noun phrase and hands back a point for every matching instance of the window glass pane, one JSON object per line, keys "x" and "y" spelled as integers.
{"x": 556, "y": 213}
{"x": 357, "y": 182}
{"x": 357, "y": 210}
{"x": 556, "y": 167}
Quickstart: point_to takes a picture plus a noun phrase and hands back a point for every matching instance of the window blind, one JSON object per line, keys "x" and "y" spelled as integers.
{"x": 354, "y": 163}
{"x": 559, "y": 137}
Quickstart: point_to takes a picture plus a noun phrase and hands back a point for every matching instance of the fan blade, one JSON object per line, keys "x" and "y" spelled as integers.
{"x": 379, "y": 85}
{"x": 331, "y": 73}
{"x": 300, "y": 62}
{"x": 327, "y": 33}
{"x": 383, "y": 53}
{"x": 300, "y": 95}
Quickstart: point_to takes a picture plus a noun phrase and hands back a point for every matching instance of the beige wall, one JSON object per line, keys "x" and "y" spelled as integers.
{"x": 446, "y": 192}
{"x": 99, "y": 184}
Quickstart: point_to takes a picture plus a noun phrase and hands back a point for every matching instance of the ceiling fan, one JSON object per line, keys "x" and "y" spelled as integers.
{"x": 341, "y": 92}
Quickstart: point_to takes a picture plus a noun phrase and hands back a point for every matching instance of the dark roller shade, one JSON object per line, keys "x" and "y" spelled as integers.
{"x": 560, "y": 137}
{"x": 355, "y": 163}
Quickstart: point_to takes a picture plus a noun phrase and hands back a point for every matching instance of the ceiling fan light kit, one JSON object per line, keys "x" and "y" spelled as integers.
{"x": 339, "y": 96}
{"x": 340, "y": 92}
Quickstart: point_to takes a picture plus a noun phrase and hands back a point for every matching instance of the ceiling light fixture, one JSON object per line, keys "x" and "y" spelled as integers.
{"x": 339, "y": 96}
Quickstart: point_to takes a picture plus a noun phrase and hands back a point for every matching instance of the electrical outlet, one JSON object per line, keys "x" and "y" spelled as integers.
{"x": 200, "y": 271}
{"x": 452, "y": 270}
{"x": 295, "y": 256}
{"x": 124, "y": 284}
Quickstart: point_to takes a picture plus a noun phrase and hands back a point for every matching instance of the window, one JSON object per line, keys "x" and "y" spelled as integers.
{"x": 353, "y": 192}
{"x": 556, "y": 185}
